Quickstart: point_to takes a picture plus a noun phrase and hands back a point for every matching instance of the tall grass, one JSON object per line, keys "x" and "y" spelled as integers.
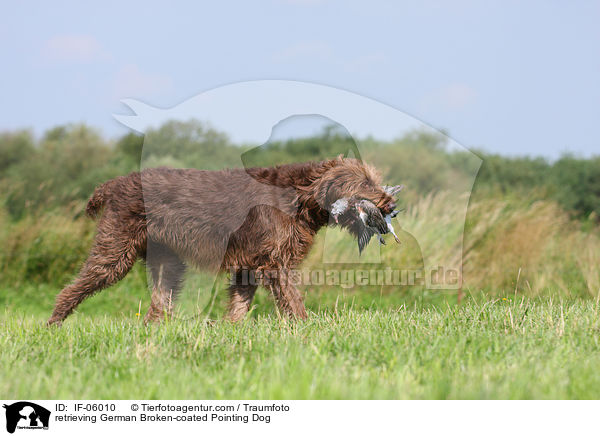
{"x": 42, "y": 249}
{"x": 533, "y": 249}
{"x": 510, "y": 246}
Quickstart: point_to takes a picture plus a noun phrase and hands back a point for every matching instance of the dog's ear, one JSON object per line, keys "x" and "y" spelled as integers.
{"x": 392, "y": 190}
{"x": 327, "y": 188}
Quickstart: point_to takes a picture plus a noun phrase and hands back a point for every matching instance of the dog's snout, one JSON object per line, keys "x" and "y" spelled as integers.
{"x": 389, "y": 208}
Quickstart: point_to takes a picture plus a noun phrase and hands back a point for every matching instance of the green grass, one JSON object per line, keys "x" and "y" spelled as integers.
{"x": 425, "y": 349}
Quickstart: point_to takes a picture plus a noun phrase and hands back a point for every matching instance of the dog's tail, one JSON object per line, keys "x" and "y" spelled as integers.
{"x": 98, "y": 199}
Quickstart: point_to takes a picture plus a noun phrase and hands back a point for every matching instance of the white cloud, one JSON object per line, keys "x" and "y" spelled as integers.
{"x": 74, "y": 48}
{"x": 456, "y": 96}
{"x": 303, "y": 2}
{"x": 131, "y": 82}
{"x": 322, "y": 52}
{"x": 366, "y": 63}
{"x": 304, "y": 50}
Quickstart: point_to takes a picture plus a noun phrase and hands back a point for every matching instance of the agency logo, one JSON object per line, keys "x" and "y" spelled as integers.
{"x": 26, "y": 415}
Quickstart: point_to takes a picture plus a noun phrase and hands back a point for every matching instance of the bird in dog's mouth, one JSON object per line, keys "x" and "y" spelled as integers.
{"x": 374, "y": 223}
{"x": 370, "y": 220}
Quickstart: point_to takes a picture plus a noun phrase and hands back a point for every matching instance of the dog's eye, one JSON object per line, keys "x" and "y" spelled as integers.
{"x": 388, "y": 208}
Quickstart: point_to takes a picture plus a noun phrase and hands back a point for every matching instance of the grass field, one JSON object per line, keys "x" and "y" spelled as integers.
{"x": 425, "y": 348}
{"x": 359, "y": 342}
{"x": 528, "y": 253}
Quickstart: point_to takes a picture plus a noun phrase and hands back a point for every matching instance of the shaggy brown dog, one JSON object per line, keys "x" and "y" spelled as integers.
{"x": 261, "y": 220}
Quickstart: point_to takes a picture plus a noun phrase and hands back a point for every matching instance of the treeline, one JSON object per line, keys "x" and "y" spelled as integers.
{"x": 61, "y": 169}
{"x": 572, "y": 182}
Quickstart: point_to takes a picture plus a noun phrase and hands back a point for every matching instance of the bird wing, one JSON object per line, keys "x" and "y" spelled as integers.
{"x": 375, "y": 219}
{"x": 374, "y": 223}
{"x": 364, "y": 236}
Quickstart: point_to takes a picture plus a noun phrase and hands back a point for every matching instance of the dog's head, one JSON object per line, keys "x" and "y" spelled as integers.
{"x": 356, "y": 199}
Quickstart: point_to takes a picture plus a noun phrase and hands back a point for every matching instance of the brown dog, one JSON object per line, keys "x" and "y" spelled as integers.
{"x": 261, "y": 220}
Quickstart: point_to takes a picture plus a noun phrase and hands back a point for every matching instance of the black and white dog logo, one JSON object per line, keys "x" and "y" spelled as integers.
{"x": 26, "y": 415}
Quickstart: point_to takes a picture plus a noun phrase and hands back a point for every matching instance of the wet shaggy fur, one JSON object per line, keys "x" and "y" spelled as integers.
{"x": 261, "y": 220}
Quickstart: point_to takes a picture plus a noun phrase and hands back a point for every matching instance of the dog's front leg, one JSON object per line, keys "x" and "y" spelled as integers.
{"x": 161, "y": 306}
{"x": 287, "y": 296}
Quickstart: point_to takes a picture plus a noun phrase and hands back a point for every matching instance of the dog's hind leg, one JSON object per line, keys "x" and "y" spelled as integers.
{"x": 167, "y": 275}
{"x": 111, "y": 258}
{"x": 241, "y": 292}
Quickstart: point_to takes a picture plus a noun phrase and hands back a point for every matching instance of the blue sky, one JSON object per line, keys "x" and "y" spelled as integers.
{"x": 509, "y": 77}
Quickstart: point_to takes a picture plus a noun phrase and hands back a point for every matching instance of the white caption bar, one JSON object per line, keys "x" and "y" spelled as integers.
{"x": 22, "y": 417}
